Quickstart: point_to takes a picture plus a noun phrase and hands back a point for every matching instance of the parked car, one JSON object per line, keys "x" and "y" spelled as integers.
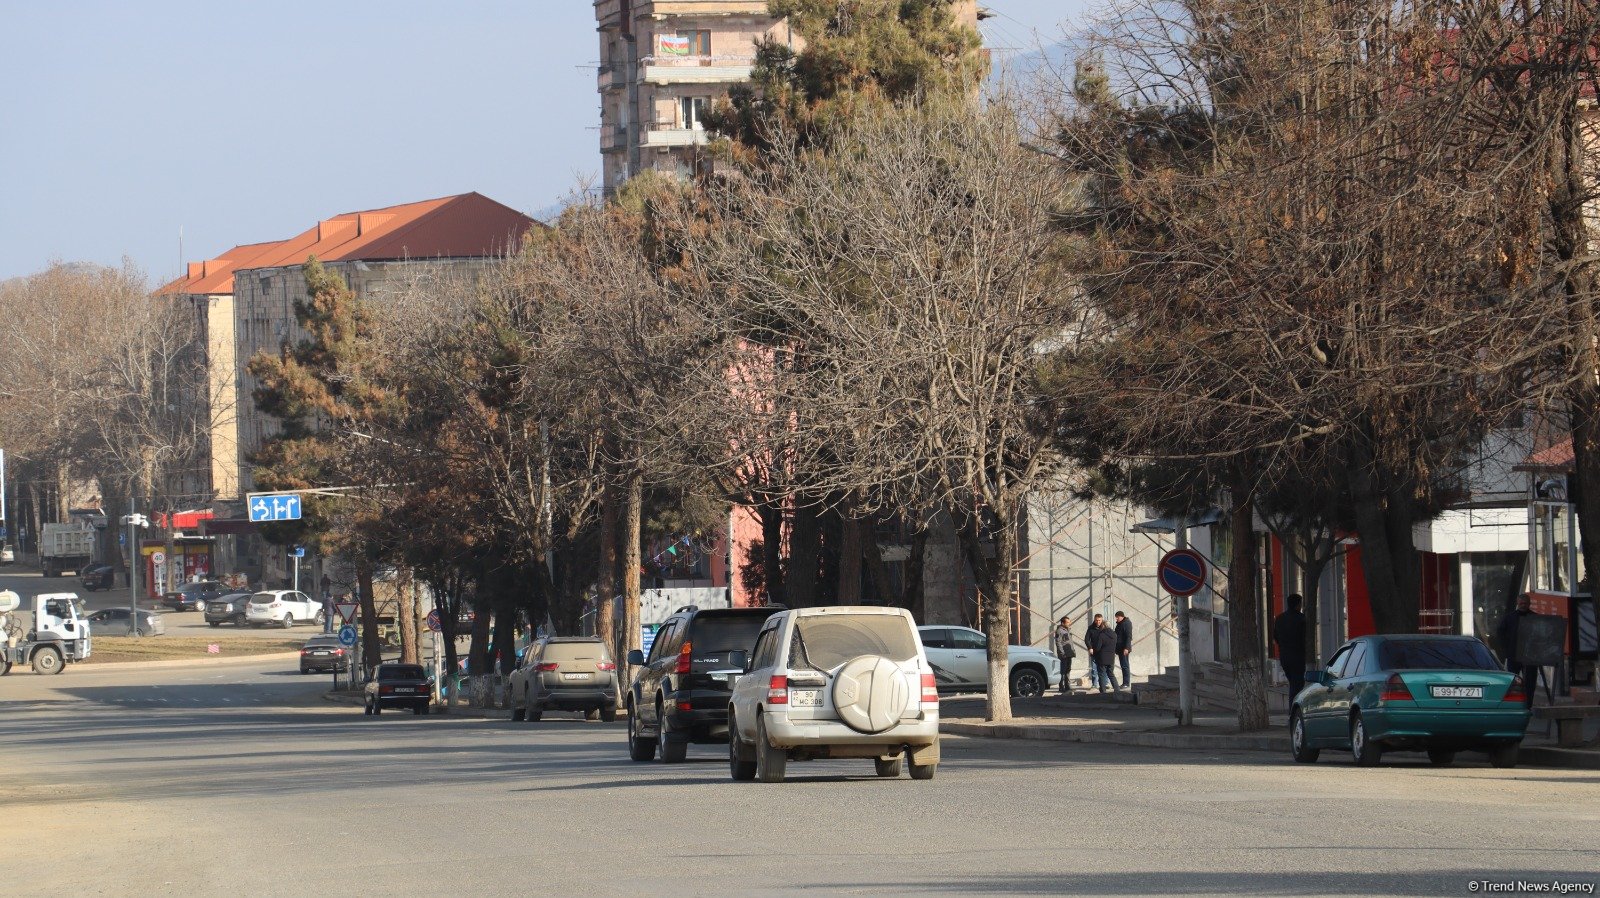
{"x": 7, "y": 555}
{"x": 227, "y": 609}
{"x": 193, "y": 596}
{"x": 1438, "y": 694}
{"x": 835, "y": 682}
{"x": 564, "y": 673}
{"x": 323, "y": 653}
{"x": 399, "y": 685}
{"x": 114, "y": 622}
{"x": 960, "y": 659}
{"x": 680, "y": 693}
{"x": 283, "y": 607}
{"x": 97, "y": 577}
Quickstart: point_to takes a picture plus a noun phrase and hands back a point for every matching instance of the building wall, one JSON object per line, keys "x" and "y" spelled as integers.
{"x": 221, "y": 367}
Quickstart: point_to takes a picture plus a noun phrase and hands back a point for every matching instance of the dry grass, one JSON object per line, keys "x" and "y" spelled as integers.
{"x": 189, "y": 648}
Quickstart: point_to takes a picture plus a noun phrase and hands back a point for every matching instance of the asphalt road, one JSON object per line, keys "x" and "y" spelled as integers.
{"x": 28, "y": 583}
{"x": 240, "y": 779}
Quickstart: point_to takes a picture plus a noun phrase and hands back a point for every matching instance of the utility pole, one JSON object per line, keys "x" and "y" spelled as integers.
{"x": 133, "y": 521}
{"x": 1180, "y": 606}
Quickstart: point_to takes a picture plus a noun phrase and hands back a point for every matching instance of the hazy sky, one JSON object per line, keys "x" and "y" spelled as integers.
{"x": 123, "y": 122}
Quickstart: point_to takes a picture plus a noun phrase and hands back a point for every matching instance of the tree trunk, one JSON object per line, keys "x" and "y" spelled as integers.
{"x": 994, "y": 589}
{"x": 478, "y": 647}
{"x": 877, "y": 571}
{"x": 605, "y": 587}
{"x": 1384, "y": 515}
{"x": 800, "y": 578}
{"x": 853, "y": 536}
{"x": 772, "y": 550}
{"x": 1244, "y": 605}
{"x": 912, "y": 599}
{"x": 632, "y": 558}
{"x": 405, "y": 616}
{"x": 505, "y": 633}
{"x": 371, "y": 650}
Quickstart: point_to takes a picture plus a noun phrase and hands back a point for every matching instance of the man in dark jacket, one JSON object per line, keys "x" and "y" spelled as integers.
{"x": 1124, "y": 630}
{"x": 1506, "y": 634}
{"x": 1065, "y": 651}
{"x": 1103, "y": 651}
{"x": 1289, "y": 632}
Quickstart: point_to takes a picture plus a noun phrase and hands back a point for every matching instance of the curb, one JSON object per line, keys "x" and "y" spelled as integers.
{"x": 1193, "y": 742}
{"x": 90, "y": 666}
{"x": 356, "y": 700}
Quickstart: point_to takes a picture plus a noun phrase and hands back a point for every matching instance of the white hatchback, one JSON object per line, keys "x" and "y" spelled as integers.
{"x": 837, "y": 682}
{"x": 283, "y": 607}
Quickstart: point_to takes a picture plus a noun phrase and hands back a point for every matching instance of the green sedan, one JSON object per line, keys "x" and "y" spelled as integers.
{"x": 1438, "y": 694}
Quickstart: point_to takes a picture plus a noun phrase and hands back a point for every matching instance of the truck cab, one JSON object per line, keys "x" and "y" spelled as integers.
{"x": 51, "y": 635}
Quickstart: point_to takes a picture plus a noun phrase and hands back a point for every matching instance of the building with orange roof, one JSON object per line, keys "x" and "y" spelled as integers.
{"x": 244, "y": 301}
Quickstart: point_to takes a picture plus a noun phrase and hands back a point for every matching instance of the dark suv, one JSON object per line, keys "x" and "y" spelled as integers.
{"x": 194, "y": 596}
{"x": 680, "y": 693}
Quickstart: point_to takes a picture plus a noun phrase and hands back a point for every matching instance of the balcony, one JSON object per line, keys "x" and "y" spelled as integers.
{"x": 674, "y": 137}
{"x": 708, "y": 71}
{"x": 612, "y": 78}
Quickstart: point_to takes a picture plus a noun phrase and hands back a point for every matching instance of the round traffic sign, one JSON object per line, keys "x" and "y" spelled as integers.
{"x": 1182, "y": 572}
{"x": 347, "y": 636}
{"x": 433, "y": 620}
{"x": 157, "y": 557}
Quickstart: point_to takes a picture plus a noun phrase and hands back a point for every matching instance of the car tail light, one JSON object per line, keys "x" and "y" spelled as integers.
{"x": 338, "y": 651}
{"x": 930, "y": 690}
{"x": 778, "y": 691}
{"x": 305, "y": 651}
{"x": 684, "y": 705}
{"x": 606, "y": 665}
{"x": 547, "y": 666}
{"x": 1517, "y": 692}
{"x": 1395, "y": 690}
{"x": 683, "y": 657}
{"x": 385, "y": 689}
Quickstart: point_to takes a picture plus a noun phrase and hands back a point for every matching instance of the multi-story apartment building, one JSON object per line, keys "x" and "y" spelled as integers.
{"x": 664, "y": 62}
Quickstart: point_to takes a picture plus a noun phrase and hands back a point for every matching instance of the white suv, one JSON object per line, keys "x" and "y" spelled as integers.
{"x": 960, "y": 659}
{"x": 283, "y": 607}
{"x": 838, "y": 682}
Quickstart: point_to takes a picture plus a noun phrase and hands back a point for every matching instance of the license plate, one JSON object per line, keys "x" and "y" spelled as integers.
{"x": 404, "y": 689}
{"x": 805, "y": 698}
{"x": 567, "y": 676}
{"x": 1456, "y": 691}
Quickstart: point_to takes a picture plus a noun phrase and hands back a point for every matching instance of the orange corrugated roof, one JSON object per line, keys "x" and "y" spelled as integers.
{"x": 465, "y": 225}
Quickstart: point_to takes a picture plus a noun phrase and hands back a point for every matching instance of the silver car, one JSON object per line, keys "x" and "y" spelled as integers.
{"x": 834, "y": 682}
{"x": 114, "y": 622}
{"x": 960, "y": 659}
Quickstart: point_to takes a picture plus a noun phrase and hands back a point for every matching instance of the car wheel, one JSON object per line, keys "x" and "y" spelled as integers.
{"x": 1298, "y": 746}
{"x": 1027, "y": 682}
{"x": 638, "y": 749}
{"x": 592, "y": 714}
{"x": 1504, "y": 756}
{"x": 672, "y": 751}
{"x": 608, "y": 714}
{"x": 887, "y": 767}
{"x": 47, "y": 660}
{"x": 1368, "y": 753}
{"x": 214, "y": 623}
{"x": 1441, "y": 758}
{"x": 741, "y": 763}
{"x": 288, "y": 621}
{"x": 770, "y": 761}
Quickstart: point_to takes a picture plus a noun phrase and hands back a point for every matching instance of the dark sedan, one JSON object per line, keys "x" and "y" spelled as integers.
{"x": 98, "y": 576}
{"x": 323, "y": 653}
{"x": 194, "y": 596}
{"x": 227, "y": 609}
{"x": 399, "y": 685}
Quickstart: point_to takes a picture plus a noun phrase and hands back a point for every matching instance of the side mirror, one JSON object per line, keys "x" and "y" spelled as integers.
{"x": 1316, "y": 678}
{"x": 635, "y": 657}
{"x": 739, "y": 658}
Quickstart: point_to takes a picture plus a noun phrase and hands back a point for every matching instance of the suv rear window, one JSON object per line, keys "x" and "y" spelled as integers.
{"x": 263, "y": 598}
{"x": 565, "y": 652}
{"x": 827, "y": 641}
{"x": 717, "y": 634}
{"x": 1436, "y": 654}
{"x": 400, "y": 672}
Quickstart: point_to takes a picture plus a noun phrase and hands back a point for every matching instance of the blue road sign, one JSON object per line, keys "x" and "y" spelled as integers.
{"x": 347, "y": 636}
{"x": 1182, "y": 572}
{"x": 647, "y": 637}
{"x": 275, "y": 507}
{"x": 122, "y": 539}
{"x": 298, "y": 551}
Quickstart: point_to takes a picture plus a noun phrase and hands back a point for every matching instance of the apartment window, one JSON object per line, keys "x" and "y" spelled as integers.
{"x": 684, "y": 44}
{"x": 694, "y": 111}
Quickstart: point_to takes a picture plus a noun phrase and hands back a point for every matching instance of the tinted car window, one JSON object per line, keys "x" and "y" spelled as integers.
{"x": 659, "y": 647}
{"x": 263, "y": 598}
{"x": 827, "y": 641}
{"x": 1352, "y": 665}
{"x": 715, "y": 634}
{"x": 1436, "y": 654}
{"x": 762, "y": 656}
{"x": 935, "y": 639}
{"x": 966, "y": 639}
{"x": 400, "y": 672}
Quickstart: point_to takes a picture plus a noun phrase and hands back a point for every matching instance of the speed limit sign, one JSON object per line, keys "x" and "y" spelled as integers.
{"x": 158, "y": 557}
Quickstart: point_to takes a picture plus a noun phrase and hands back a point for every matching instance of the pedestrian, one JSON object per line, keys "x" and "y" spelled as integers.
{"x": 1289, "y": 632}
{"x": 1507, "y": 634}
{"x": 1103, "y": 652}
{"x": 1124, "y": 630}
{"x": 1088, "y": 643}
{"x": 1065, "y": 651}
{"x": 327, "y": 586}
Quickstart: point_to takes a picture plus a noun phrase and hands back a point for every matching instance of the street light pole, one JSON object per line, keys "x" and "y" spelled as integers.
{"x": 1185, "y": 650}
{"x": 133, "y": 570}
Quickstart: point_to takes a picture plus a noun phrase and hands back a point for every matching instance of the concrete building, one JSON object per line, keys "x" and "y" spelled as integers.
{"x": 664, "y": 62}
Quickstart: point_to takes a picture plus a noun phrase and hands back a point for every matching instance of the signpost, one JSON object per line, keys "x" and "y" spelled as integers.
{"x": 433, "y": 621}
{"x": 347, "y": 635}
{"x": 267, "y": 507}
{"x": 1182, "y": 572}
{"x": 346, "y": 611}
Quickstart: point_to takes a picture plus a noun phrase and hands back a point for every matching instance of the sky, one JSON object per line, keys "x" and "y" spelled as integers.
{"x": 166, "y": 131}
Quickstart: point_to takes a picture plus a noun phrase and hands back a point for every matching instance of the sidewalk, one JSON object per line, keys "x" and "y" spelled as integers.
{"x": 1098, "y": 719}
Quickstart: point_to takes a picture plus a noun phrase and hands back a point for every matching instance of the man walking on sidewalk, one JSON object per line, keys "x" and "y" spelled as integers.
{"x": 1103, "y": 652}
{"x": 1289, "y": 632}
{"x": 1088, "y": 643}
{"x": 1065, "y": 651}
{"x": 1507, "y": 635}
{"x": 1124, "y": 630}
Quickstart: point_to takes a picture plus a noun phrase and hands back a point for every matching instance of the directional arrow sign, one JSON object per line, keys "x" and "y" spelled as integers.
{"x": 346, "y": 611}
{"x": 274, "y": 507}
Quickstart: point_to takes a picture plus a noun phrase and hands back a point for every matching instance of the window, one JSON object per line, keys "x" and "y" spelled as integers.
{"x": 966, "y": 639}
{"x": 1366, "y": 662}
{"x": 401, "y": 672}
{"x": 935, "y": 639}
{"x": 1336, "y": 663}
{"x": 1552, "y": 547}
{"x": 1436, "y": 654}
{"x": 699, "y": 42}
{"x": 660, "y": 647}
{"x": 1353, "y": 664}
{"x": 684, "y": 44}
{"x": 693, "y": 111}
{"x": 826, "y": 641}
{"x": 762, "y": 658}
{"x": 718, "y": 634}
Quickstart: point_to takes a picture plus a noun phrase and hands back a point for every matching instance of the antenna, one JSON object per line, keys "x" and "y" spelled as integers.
{"x": 181, "y": 268}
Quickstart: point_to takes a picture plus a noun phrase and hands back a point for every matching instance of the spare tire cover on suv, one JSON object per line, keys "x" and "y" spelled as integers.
{"x": 870, "y": 693}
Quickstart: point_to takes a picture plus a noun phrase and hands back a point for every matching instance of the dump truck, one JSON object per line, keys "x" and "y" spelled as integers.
{"x": 48, "y": 637}
{"x": 66, "y": 547}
